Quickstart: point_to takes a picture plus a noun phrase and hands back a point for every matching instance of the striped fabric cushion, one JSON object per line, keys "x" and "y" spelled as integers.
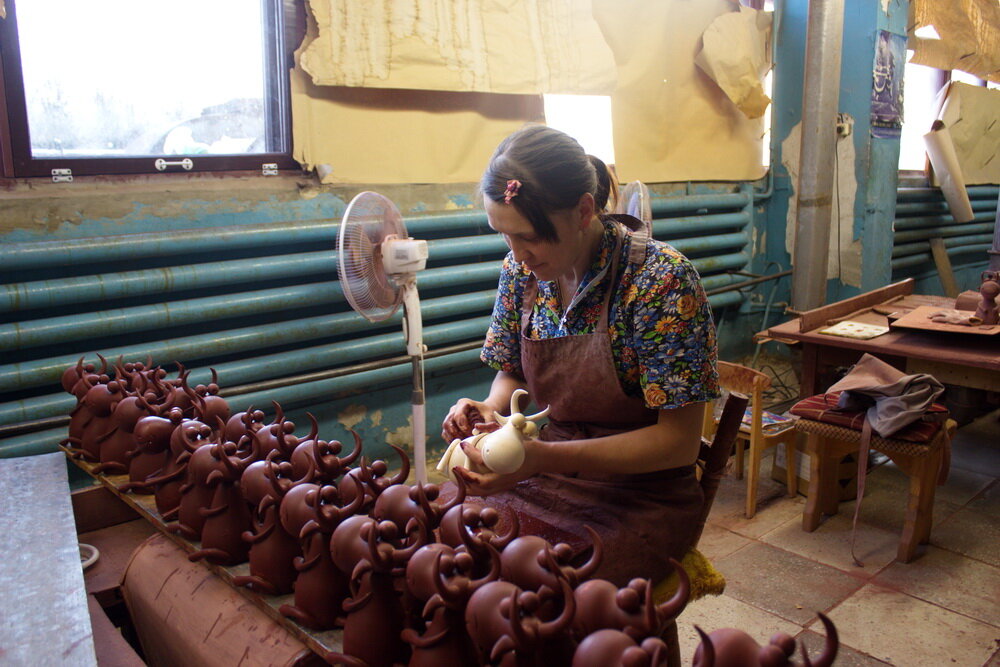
{"x": 823, "y": 408}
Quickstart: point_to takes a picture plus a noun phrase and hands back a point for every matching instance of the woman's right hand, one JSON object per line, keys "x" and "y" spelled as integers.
{"x": 463, "y": 416}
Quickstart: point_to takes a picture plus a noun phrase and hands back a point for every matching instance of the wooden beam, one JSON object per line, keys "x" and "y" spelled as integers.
{"x": 818, "y": 317}
{"x": 943, "y": 263}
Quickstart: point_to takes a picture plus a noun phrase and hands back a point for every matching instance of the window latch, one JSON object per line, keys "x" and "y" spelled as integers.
{"x": 162, "y": 165}
{"x": 269, "y": 169}
{"x": 62, "y": 175}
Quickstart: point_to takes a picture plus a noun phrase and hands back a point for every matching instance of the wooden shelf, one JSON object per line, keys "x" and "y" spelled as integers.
{"x": 321, "y": 643}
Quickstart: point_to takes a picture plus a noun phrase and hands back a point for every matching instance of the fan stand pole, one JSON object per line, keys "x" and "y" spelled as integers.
{"x": 417, "y": 400}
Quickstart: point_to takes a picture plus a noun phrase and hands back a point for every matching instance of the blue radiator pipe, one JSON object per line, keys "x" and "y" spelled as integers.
{"x": 38, "y": 373}
{"x": 907, "y": 210}
{"x": 52, "y": 330}
{"x": 949, "y": 242}
{"x": 955, "y": 229}
{"x": 934, "y": 194}
{"x": 664, "y": 205}
{"x": 266, "y": 367}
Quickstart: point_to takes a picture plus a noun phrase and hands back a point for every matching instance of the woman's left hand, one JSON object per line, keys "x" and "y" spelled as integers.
{"x": 488, "y": 483}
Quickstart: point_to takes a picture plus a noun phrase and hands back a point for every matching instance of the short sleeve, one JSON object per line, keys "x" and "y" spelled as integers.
{"x": 502, "y": 348}
{"x": 674, "y": 337}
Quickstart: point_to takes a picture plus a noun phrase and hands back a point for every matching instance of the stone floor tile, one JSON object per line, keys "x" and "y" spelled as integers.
{"x": 970, "y": 533}
{"x": 960, "y": 487}
{"x": 886, "y": 495}
{"x": 784, "y": 583}
{"x": 903, "y": 630}
{"x": 715, "y": 612}
{"x": 950, "y": 580}
{"x": 988, "y": 501}
{"x": 773, "y": 507}
{"x": 831, "y": 544}
{"x": 974, "y": 445}
{"x": 717, "y": 542}
{"x": 846, "y": 656}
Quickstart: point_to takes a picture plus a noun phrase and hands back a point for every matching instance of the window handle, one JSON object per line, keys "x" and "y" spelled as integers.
{"x": 162, "y": 165}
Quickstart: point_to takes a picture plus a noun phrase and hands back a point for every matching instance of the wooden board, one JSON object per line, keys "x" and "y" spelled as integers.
{"x": 145, "y": 505}
{"x": 919, "y": 318}
{"x": 822, "y": 316}
{"x": 45, "y": 620}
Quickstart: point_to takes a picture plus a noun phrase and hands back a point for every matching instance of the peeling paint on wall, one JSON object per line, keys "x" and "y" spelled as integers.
{"x": 376, "y": 417}
{"x": 456, "y": 202}
{"x": 844, "y": 258}
{"x": 402, "y": 436}
{"x": 352, "y": 415}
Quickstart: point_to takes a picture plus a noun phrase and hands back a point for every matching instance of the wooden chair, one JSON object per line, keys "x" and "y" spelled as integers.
{"x": 753, "y": 383}
{"x": 705, "y": 579}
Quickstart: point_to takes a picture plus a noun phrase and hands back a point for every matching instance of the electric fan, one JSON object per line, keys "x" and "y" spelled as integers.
{"x": 378, "y": 265}
{"x": 635, "y": 201}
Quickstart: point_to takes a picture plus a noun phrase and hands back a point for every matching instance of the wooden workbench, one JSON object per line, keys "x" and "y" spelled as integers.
{"x": 320, "y": 643}
{"x": 966, "y": 360}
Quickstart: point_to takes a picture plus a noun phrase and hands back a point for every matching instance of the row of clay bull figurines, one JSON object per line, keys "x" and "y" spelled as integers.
{"x": 410, "y": 578}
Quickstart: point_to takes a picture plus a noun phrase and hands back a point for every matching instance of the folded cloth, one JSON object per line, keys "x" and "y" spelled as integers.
{"x": 890, "y": 398}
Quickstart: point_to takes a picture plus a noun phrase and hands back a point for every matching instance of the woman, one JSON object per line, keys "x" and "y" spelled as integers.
{"x": 614, "y": 333}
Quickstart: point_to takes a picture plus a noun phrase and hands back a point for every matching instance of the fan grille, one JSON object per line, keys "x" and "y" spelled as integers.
{"x": 369, "y": 219}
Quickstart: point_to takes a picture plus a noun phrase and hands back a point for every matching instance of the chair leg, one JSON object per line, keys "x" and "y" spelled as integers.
{"x": 791, "y": 464}
{"x": 823, "y": 495}
{"x": 739, "y": 457}
{"x": 920, "y": 506}
{"x": 753, "y": 474}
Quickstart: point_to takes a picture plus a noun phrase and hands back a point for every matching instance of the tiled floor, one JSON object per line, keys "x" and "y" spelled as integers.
{"x": 941, "y": 609}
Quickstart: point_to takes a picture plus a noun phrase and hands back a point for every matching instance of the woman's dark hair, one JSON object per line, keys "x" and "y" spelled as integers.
{"x": 554, "y": 172}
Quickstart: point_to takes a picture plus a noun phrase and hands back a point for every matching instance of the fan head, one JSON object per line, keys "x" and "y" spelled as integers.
{"x": 635, "y": 201}
{"x": 370, "y": 218}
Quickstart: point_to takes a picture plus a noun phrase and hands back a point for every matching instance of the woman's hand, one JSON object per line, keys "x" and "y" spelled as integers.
{"x": 488, "y": 483}
{"x": 463, "y": 416}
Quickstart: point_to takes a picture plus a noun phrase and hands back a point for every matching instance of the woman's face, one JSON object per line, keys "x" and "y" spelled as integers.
{"x": 548, "y": 260}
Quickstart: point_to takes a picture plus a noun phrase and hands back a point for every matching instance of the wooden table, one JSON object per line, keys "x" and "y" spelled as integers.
{"x": 44, "y": 619}
{"x": 966, "y": 360}
{"x": 320, "y": 643}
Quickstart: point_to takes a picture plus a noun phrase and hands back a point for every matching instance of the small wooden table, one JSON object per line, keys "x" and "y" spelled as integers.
{"x": 44, "y": 618}
{"x": 958, "y": 359}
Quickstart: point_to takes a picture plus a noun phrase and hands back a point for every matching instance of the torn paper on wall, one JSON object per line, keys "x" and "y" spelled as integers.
{"x": 516, "y": 47}
{"x": 671, "y": 122}
{"x": 968, "y": 31}
{"x": 367, "y": 135}
{"x": 844, "y": 257}
{"x": 736, "y": 54}
{"x": 972, "y": 116}
{"x": 948, "y": 171}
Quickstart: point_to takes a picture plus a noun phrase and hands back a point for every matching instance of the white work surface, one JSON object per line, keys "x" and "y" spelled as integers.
{"x": 44, "y": 618}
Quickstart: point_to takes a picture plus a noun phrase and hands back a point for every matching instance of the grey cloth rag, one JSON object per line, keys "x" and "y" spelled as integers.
{"x": 892, "y": 399}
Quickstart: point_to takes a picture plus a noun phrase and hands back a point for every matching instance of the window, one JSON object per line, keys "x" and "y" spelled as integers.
{"x": 116, "y": 86}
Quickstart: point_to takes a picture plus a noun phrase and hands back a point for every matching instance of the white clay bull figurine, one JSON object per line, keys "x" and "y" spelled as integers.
{"x": 502, "y": 449}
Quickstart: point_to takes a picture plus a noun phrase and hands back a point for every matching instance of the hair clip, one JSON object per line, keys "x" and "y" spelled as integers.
{"x": 513, "y": 187}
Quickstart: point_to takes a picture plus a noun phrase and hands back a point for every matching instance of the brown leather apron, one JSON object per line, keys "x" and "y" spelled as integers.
{"x": 643, "y": 519}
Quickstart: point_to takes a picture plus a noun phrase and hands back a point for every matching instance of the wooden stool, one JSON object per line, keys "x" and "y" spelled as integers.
{"x": 925, "y": 463}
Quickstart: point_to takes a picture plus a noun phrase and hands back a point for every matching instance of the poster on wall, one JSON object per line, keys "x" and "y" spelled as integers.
{"x": 887, "y": 85}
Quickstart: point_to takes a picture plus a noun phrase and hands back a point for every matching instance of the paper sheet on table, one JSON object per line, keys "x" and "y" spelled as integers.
{"x": 972, "y": 116}
{"x": 858, "y": 330}
{"x": 735, "y": 53}
{"x": 948, "y": 171}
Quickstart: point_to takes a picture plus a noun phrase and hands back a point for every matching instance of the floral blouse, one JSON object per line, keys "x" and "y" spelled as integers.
{"x": 660, "y": 324}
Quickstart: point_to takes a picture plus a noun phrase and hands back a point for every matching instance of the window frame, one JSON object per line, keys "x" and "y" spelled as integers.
{"x": 16, "y": 160}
